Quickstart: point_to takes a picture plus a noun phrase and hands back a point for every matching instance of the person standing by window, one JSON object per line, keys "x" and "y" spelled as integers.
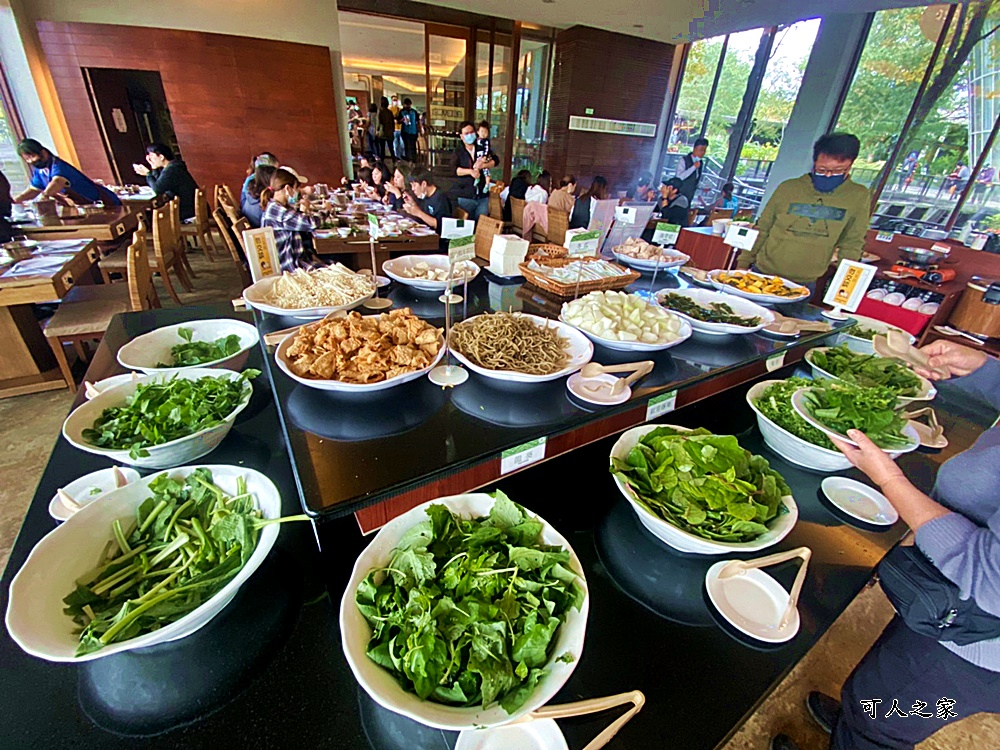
{"x": 397, "y": 129}
{"x": 409, "y": 120}
{"x": 469, "y": 189}
{"x": 169, "y": 176}
{"x": 690, "y": 169}
{"x": 386, "y": 129}
{"x": 292, "y": 229}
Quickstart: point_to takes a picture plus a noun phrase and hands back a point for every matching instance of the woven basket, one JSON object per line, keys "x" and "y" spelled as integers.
{"x": 569, "y": 290}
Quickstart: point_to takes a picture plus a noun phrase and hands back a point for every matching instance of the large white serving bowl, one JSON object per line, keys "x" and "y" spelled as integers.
{"x": 800, "y": 405}
{"x": 767, "y": 299}
{"x": 173, "y": 453}
{"x": 865, "y": 346}
{"x": 791, "y": 447}
{"x": 670, "y": 259}
{"x": 927, "y": 390}
{"x": 395, "y": 268}
{"x": 580, "y": 352}
{"x": 254, "y": 295}
{"x": 145, "y": 352}
{"x": 682, "y": 540}
{"x": 384, "y": 688}
{"x": 281, "y": 357}
{"x": 35, "y": 617}
{"x": 704, "y": 297}
{"x": 634, "y": 346}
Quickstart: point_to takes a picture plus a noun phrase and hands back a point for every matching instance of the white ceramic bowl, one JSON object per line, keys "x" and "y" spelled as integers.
{"x": 384, "y": 688}
{"x": 865, "y": 346}
{"x": 670, "y": 259}
{"x": 172, "y": 453}
{"x": 35, "y": 618}
{"x": 145, "y": 352}
{"x": 281, "y": 357}
{"x": 682, "y": 540}
{"x": 768, "y": 299}
{"x": 791, "y": 447}
{"x": 799, "y": 403}
{"x": 254, "y": 295}
{"x": 87, "y": 489}
{"x": 634, "y": 346}
{"x": 92, "y": 389}
{"x": 395, "y": 268}
{"x": 927, "y": 390}
{"x": 580, "y": 351}
{"x": 704, "y": 297}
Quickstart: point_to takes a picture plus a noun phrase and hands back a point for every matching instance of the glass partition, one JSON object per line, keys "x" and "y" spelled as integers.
{"x": 530, "y": 100}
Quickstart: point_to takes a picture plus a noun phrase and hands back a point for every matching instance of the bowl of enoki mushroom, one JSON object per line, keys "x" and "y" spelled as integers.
{"x": 519, "y": 348}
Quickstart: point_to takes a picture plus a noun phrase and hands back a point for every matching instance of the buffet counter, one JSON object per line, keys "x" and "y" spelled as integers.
{"x": 269, "y": 671}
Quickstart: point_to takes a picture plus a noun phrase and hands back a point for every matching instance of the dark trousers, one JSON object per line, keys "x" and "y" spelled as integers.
{"x": 410, "y": 146}
{"x": 384, "y": 149}
{"x": 922, "y": 677}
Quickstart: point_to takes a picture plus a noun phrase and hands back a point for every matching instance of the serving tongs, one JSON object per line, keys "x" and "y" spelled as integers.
{"x": 70, "y": 502}
{"x": 276, "y": 337}
{"x": 740, "y": 567}
{"x": 638, "y": 370}
{"x": 592, "y": 706}
{"x": 784, "y": 324}
{"x": 91, "y": 390}
{"x": 931, "y": 435}
{"x": 895, "y": 344}
{"x": 695, "y": 273}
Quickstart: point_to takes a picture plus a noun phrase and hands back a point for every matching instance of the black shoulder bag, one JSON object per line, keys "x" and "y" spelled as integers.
{"x": 929, "y": 603}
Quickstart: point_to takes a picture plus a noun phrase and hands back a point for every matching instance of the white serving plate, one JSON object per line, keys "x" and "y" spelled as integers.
{"x": 394, "y": 269}
{"x": 859, "y": 501}
{"x": 769, "y": 299}
{"x": 386, "y": 690}
{"x": 281, "y": 357}
{"x": 581, "y": 351}
{"x": 865, "y": 346}
{"x": 682, "y": 540}
{"x": 172, "y": 453}
{"x": 798, "y": 403}
{"x": 752, "y": 602}
{"x": 634, "y": 346}
{"x": 35, "y": 617}
{"x": 740, "y": 306}
{"x": 927, "y": 390}
{"x": 103, "y": 385}
{"x": 254, "y": 295}
{"x": 87, "y": 489}
{"x": 144, "y": 352}
{"x": 671, "y": 259}
{"x": 536, "y": 734}
{"x": 597, "y": 390}
{"x": 791, "y": 447}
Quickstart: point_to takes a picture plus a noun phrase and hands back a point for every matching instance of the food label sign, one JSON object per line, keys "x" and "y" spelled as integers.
{"x": 513, "y": 459}
{"x": 740, "y": 236}
{"x": 849, "y": 285}
{"x": 775, "y": 361}
{"x": 660, "y": 405}
{"x": 666, "y": 234}
{"x": 625, "y": 214}
{"x": 584, "y": 243}
{"x": 885, "y": 236}
{"x": 461, "y": 249}
{"x": 373, "y": 226}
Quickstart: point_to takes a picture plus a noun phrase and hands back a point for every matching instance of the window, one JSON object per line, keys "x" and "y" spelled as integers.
{"x": 699, "y": 74}
{"x": 11, "y": 164}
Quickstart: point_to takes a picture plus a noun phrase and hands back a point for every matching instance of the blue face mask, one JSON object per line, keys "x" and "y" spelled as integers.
{"x": 827, "y": 183}
{"x": 469, "y": 138}
{"x": 293, "y": 199}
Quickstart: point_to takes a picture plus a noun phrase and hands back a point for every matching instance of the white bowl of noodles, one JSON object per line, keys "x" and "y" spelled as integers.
{"x": 310, "y": 294}
{"x": 500, "y": 347}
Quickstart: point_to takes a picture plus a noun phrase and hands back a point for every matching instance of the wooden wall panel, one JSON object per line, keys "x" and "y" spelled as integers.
{"x": 621, "y": 78}
{"x": 230, "y": 97}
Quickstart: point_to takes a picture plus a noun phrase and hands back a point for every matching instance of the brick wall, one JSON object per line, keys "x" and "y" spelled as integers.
{"x": 230, "y": 97}
{"x": 621, "y": 78}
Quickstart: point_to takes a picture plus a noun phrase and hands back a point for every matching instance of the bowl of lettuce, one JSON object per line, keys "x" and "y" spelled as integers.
{"x": 787, "y": 433}
{"x": 220, "y": 343}
{"x": 869, "y": 371}
{"x": 702, "y": 493}
{"x": 465, "y": 612}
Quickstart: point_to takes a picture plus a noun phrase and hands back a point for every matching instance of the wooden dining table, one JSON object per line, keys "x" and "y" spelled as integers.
{"x": 106, "y": 225}
{"x": 27, "y": 364}
{"x": 357, "y": 249}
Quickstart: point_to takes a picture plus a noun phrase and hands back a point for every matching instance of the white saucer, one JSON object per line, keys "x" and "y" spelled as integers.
{"x": 859, "y": 501}
{"x": 382, "y": 281}
{"x": 752, "y": 602}
{"x": 537, "y": 734}
{"x": 779, "y": 334}
{"x": 87, "y": 489}
{"x": 580, "y": 387}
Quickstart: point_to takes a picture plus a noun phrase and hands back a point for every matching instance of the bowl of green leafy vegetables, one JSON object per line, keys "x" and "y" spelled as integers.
{"x": 702, "y": 493}
{"x": 148, "y": 563}
{"x": 465, "y": 612}
{"x": 858, "y": 338}
{"x": 160, "y": 421}
{"x": 868, "y": 371}
{"x": 218, "y": 343}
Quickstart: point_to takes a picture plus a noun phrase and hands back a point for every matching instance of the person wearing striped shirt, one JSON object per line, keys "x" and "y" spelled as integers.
{"x": 292, "y": 229}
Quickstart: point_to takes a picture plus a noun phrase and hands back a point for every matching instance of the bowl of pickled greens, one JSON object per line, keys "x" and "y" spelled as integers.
{"x": 715, "y": 313}
{"x": 702, "y": 493}
{"x": 869, "y": 371}
{"x": 161, "y": 421}
{"x": 147, "y": 563}
{"x": 219, "y": 343}
{"x": 465, "y": 612}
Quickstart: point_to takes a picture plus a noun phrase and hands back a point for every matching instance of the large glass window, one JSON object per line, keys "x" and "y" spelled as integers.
{"x": 699, "y": 74}
{"x": 10, "y": 163}
{"x": 530, "y": 104}
{"x": 491, "y": 103}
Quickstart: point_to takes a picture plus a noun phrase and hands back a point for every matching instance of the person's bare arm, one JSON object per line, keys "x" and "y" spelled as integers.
{"x": 56, "y": 185}
{"x": 27, "y": 195}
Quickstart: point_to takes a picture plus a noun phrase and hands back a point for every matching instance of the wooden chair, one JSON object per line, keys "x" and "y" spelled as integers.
{"x": 225, "y": 228}
{"x": 692, "y": 216}
{"x": 486, "y": 229}
{"x": 517, "y": 214}
{"x": 229, "y": 194}
{"x": 200, "y": 229}
{"x": 558, "y": 225}
{"x": 718, "y": 214}
{"x": 178, "y": 243}
{"x": 86, "y": 311}
{"x": 460, "y": 213}
{"x": 496, "y": 209}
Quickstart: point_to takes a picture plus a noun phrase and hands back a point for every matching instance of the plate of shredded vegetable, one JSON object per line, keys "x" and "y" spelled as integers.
{"x": 519, "y": 348}
{"x": 758, "y": 287}
{"x": 310, "y": 294}
{"x": 715, "y": 313}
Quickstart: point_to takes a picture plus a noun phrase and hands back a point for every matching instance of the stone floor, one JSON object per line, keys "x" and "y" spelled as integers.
{"x": 33, "y": 422}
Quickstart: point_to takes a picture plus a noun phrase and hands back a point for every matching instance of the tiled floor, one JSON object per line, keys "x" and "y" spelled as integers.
{"x": 31, "y": 424}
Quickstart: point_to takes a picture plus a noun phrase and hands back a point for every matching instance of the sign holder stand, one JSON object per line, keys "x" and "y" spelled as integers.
{"x": 376, "y": 302}
{"x": 460, "y": 250}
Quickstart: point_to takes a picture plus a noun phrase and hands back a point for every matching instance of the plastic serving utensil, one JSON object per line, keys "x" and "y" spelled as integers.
{"x": 931, "y": 434}
{"x": 894, "y": 344}
{"x": 581, "y": 708}
{"x": 622, "y": 384}
{"x": 739, "y": 567}
{"x": 593, "y": 369}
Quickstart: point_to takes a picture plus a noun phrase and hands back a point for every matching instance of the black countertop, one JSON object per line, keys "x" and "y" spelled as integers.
{"x": 269, "y": 671}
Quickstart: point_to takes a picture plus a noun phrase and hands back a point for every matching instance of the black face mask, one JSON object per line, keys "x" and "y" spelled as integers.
{"x": 44, "y": 162}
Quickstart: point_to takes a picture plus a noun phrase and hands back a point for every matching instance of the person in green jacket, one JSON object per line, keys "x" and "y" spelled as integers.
{"x": 809, "y": 217}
